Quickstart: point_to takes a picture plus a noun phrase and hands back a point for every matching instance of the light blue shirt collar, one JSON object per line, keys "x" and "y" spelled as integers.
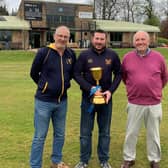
{"x": 146, "y": 53}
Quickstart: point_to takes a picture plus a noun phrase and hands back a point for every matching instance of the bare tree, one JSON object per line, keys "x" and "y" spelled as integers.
{"x": 163, "y": 27}
{"x": 150, "y": 12}
{"x": 130, "y": 8}
{"x": 149, "y": 8}
{"x": 106, "y": 9}
{"x": 127, "y": 10}
{"x": 3, "y": 8}
{"x": 166, "y": 8}
{"x": 163, "y": 9}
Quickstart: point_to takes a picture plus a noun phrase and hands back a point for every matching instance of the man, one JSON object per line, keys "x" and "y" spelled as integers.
{"x": 52, "y": 71}
{"x": 145, "y": 75}
{"x": 97, "y": 56}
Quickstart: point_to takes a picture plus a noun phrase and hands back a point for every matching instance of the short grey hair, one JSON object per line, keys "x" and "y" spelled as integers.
{"x": 62, "y": 27}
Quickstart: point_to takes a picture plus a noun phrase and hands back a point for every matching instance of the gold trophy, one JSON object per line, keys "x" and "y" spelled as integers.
{"x": 97, "y": 74}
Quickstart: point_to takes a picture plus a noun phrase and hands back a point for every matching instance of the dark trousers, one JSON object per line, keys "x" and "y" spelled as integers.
{"x": 104, "y": 113}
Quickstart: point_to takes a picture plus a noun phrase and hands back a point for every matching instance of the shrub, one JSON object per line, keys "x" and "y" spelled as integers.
{"x": 162, "y": 41}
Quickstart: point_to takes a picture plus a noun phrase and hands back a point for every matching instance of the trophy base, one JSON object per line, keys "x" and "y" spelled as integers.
{"x": 98, "y": 100}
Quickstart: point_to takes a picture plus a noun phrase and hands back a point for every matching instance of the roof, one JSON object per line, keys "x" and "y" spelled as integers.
{"x": 120, "y": 26}
{"x": 57, "y": 2}
{"x": 13, "y": 23}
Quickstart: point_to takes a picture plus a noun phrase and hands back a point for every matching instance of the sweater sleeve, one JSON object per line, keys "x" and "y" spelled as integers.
{"x": 79, "y": 73}
{"x": 73, "y": 63}
{"x": 37, "y": 65}
{"x": 124, "y": 74}
{"x": 117, "y": 74}
{"x": 164, "y": 74}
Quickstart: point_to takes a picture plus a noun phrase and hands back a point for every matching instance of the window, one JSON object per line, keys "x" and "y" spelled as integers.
{"x": 116, "y": 36}
{"x": 64, "y": 19}
{"x": 70, "y": 18}
{"x": 54, "y": 20}
{"x": 50, "y": 36}
{"x": 5, "y": 36}
{"x": 49, "y": 19}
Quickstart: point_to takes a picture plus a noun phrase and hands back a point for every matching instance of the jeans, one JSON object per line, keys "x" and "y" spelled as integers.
{"x": 104, "y": 113}
{"x": 44, "y": 111}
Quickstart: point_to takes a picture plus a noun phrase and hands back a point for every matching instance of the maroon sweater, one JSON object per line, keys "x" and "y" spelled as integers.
{"x": 144, "y": 77}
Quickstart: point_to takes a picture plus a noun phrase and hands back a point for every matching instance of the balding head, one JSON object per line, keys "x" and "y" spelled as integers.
{"x": 141, "y": 41}
{"x": 141, "y": 34}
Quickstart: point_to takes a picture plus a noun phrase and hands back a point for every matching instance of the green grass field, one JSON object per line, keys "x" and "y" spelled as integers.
{"x": 16, "y": 118}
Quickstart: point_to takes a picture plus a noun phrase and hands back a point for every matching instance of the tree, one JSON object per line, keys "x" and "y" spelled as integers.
{"x": 130, "y": 10}
{"x": 106, "y": 9}
{"x": 163, "y": 28}
{"x": 14, "y": 12}
{"x": 153, "y": 20}
{"x": 149, "y": 11}
{"x": 163, "y": 10}
{"x": 3, "y": 10}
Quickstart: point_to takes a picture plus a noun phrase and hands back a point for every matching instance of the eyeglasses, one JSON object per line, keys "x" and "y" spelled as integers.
{"x": 62, "y": 36}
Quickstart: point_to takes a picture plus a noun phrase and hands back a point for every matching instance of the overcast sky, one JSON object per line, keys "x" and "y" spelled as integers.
{"x": 14, "y": 4}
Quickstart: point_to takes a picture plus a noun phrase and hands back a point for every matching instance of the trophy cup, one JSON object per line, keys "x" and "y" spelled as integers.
{"x": 97, "y": 74}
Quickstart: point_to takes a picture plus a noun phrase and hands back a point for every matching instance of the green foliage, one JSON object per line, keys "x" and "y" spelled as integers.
{"x": 17, "y": 110}
{"x": 154, "y": 21}
{"x": 162, "y": 41}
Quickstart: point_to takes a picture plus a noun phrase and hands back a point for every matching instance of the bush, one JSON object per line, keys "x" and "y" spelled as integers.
{"x": 162, "y": 41}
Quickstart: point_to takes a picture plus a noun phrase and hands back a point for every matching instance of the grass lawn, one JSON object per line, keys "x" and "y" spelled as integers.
{"x": 16, "y": 118}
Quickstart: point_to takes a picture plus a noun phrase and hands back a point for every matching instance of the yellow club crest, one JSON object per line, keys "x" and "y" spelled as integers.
{"x": 108, "y": 61}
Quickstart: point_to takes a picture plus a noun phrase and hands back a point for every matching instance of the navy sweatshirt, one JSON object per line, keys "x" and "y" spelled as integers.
{"x": 108, "y": 60}
{"x": 52, "y": 73}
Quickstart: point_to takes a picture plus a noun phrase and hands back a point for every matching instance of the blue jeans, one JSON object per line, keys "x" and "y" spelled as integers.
{"x": 104, "y": 113}
{"x": 44, "y": 111}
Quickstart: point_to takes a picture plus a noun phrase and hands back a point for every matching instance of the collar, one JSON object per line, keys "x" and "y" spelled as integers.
{"x": 97, "y": 51}
{"x": 145, "y": 54}
{"x": 53, "y": 46}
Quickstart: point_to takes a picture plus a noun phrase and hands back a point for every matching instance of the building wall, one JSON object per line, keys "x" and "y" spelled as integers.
{"x": 153, "y": 39}
{"x": 127, "y": 40}
{"x": 81, "y": 25}
{"x": 19, "y": 40}
{"x": 61, "y": 13}
{"x": 34, "y": 23}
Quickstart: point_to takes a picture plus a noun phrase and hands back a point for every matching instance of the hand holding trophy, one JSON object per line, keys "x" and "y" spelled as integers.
{"x": 97, "y": 75}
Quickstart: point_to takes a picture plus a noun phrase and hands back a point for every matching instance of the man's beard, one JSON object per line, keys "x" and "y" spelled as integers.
{"x": 99, "y": 50}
